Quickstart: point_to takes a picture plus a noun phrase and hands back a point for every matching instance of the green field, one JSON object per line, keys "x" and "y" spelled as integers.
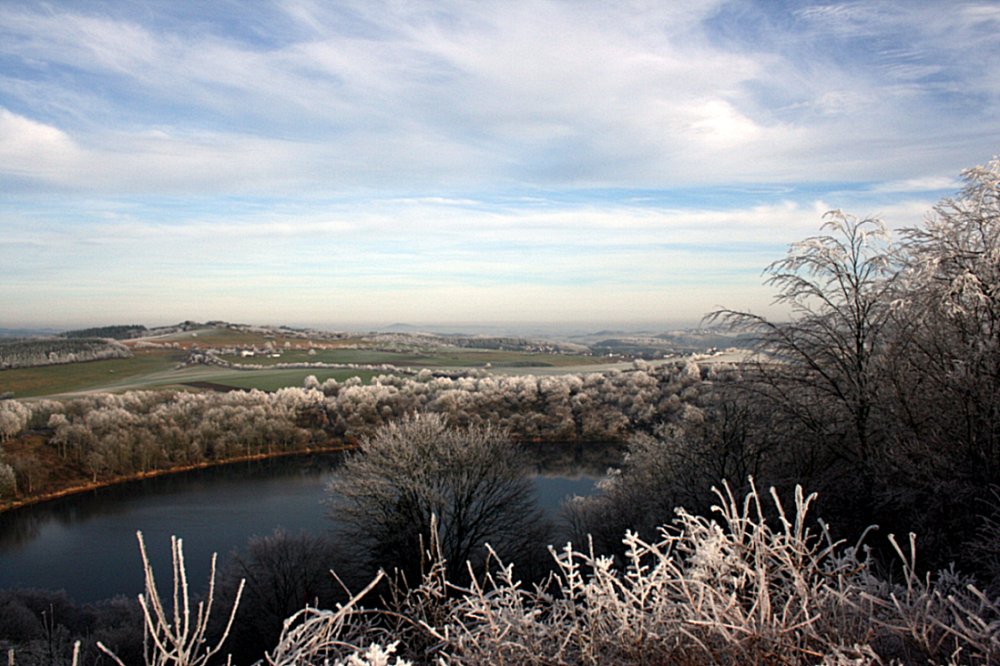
{"x": 458, "y": 358}
{"x": 163, "y": 368}
{"x": 147, "y": 372}
{"x": 76, "y": 377}
{"x": 272, "y": 380}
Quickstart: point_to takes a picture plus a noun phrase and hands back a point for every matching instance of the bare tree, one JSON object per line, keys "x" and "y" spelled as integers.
{"x": 472, "y": 479}
{"x": 821, "y": 369}
{"x": 282, "y": 573}
{"x": 952, "y": 298}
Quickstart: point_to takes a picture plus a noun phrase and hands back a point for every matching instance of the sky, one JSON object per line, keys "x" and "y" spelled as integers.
{"x": 356, "y": 164}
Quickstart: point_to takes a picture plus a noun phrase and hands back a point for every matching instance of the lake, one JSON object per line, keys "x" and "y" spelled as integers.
{"x": 86, "y": 544}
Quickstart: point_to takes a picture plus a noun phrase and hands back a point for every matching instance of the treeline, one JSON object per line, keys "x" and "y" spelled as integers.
{"x": 120, "y": 332}
{"x": 594, "y": 407}
{"x": 881, "y": 392}
{"x": 30, "y": 352}
{"x": 515, "y": 344}
{"x": 113, "y": 435}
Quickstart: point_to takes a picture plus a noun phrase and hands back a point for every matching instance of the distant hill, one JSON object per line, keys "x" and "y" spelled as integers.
{"x": 28, "y": 332}
{"x": 621, "y": 342}
{"x": 120, "y": 332}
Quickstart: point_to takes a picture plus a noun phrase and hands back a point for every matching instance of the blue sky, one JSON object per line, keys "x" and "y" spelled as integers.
{"x": 362, "y": 163}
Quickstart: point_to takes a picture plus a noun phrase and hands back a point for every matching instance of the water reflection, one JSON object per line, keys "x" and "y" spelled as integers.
{"x": 17, "y": 527}
{"x": 86, "y": 543}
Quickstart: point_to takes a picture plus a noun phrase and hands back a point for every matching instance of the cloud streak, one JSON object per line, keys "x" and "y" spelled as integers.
{"x": 584, "y": 147}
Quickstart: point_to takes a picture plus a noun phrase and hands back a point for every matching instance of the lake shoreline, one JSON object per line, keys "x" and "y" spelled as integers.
{"x": 7, "y": 506}
{"x": 537, "y": 447}
{"x": 85, "y": 544}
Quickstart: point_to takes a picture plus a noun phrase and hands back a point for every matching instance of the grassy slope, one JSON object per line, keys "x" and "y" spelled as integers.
{"x": 75, "y": 377}
{"x": 457, "y": 358}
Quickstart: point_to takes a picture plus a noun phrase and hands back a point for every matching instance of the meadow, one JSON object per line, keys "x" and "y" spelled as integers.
{"x": 164, "y": 361}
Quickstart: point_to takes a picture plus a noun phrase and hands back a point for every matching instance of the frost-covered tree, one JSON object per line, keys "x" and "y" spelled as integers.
{"x": 470, "y": 483}
{"x": 8, "y": 481}
{"x": 822, "y": 368}
{"x": 281, "y": 574}
{"x": 950, "y": 375}
{"x": 14, "y": 417}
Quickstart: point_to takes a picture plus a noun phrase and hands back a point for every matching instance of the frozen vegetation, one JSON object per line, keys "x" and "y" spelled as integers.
{"x": 113, "y": 435}
{"x": 32, "y": 352}
{"x": 735, "y": 587}
{"x": 881, "y": 395}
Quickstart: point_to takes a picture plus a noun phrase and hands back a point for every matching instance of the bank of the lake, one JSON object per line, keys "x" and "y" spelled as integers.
{"x": 86, "y": 544}
{"x": 75, "y": 486}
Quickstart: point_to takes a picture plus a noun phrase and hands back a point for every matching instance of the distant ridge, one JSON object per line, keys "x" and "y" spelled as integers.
{"x": 118, "y": 332}
{"x": 28, "y": 332}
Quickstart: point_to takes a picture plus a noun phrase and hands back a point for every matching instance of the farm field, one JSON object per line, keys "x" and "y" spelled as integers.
{"x": 110, "y": 375}
{"x": 165, "y": 367}
{"x": 462, "y": 358}
{"x": 265, "y": 380}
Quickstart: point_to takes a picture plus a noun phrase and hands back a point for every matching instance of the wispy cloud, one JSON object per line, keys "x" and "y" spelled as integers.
{"x": 479, "y": 146}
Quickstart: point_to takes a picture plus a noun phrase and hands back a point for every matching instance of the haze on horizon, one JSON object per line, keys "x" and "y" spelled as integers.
{"x": 350, "y": 163}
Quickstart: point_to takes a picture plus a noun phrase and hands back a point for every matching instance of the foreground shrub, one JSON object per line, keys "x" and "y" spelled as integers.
{"x": 733, "y": 589}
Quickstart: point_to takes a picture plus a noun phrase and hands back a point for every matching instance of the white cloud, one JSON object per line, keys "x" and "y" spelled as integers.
{"x": 722, "y": 126}
{"x": 468, "y": 96}
{"x": 32, "y": 149}
{"x": 930, "y": 184}
{"x": 470, "y": 148}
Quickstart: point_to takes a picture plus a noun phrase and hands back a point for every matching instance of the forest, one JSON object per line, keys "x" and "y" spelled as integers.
{"x": 876, "y": 403}
{"x": 118, "y": 332}
{"x": 31, "y": 352}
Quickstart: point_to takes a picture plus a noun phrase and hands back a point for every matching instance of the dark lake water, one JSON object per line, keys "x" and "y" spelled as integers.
{"x": 86, "y": 544}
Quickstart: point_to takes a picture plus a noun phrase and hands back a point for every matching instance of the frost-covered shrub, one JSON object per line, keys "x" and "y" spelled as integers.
{"x": 8, "y": 481}
{"x": 736, "y": 588}
{"x": 374, "y": 655}
{"x": 14, "y": 417}
{"x": 176, "y": 636}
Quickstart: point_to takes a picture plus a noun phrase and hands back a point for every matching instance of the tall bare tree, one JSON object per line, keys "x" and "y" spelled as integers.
{"x": 951, "y": 294}
{"x": 821, "y": 369}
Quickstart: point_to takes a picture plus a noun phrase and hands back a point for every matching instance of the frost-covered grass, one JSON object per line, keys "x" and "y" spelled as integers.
{"x": 736, "y": 588}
